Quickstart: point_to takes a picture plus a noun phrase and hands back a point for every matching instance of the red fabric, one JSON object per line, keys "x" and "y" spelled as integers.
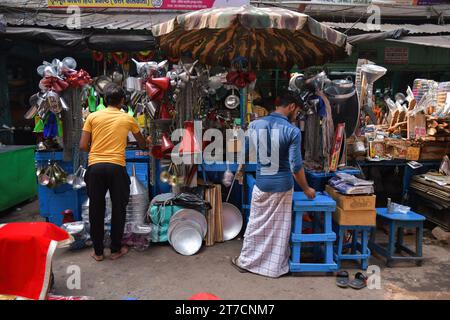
{"x": 25, "y": 257}
{"x": 79, "y": 79}
{"x": 204, "y": 296}
{"x": 53, "y": 83}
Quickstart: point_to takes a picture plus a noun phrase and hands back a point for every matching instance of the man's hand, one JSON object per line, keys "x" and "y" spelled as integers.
{"x": 310, "y": 193}
{"x": 239, "y": 175}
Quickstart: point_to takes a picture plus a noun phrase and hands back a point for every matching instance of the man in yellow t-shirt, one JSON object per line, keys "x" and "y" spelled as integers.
{"x": 105, "y": 135}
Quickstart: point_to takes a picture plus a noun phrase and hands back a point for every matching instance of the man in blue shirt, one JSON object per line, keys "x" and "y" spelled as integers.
{"x": 277, "y": 144}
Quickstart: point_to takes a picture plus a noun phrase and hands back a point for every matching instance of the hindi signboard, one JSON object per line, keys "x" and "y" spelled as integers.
{"x": 183, "y": 5}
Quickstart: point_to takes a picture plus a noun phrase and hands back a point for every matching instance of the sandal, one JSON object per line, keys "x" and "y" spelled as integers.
{"x": 342, "y": 279}
{"x": 235, "y": 264}
{"x": 359, "y": 282}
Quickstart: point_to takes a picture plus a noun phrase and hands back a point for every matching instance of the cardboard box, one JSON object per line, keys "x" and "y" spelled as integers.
{"x": 352, "y": 202}
{"x": 355, "y": 217}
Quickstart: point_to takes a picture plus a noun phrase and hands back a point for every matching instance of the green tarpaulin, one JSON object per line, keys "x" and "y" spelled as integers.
{"x": 18, "y": 175}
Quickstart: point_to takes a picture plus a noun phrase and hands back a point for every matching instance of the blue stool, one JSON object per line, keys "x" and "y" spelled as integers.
{"x": 397, "y": 222}
{"x": 355, "y": 246}
{"x": 322, "y": 204}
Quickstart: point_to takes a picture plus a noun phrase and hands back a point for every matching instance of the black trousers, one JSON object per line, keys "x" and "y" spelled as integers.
{"x": 100, "y": 178}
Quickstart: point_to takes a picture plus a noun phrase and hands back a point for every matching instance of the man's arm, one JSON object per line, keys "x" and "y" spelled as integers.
{"x": 134, "y": 128}
{"x": 85, "y": 141}
{"x": 245, "y": 157}
{"x": 143, "y": 144}
{"x": 295, "y": 159}
{"x": 301, "y": 180}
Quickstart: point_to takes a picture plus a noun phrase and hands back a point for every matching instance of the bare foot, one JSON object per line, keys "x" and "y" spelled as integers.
{"x": 116, "y": 255}
{"x": 96, "y": 257}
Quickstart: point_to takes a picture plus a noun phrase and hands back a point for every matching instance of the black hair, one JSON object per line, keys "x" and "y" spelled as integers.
{"x": 114, "y": 94}
{"x": 286, "y": 97}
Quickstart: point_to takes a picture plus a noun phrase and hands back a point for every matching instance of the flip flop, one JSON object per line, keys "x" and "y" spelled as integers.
{"x": 359, "y": 282}
{"x": 342, "y": 279}
{"x": 236, "y": 266}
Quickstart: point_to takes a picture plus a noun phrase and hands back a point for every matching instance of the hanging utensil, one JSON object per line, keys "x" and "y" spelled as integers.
{"x": 231, "y": 217}
{"x": 232, "y": 101}
{"x": 100, "y": 106}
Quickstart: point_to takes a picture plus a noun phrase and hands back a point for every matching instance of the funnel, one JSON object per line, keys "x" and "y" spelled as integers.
{"x": 164, "y": 112}
{"x": 136, "y": 187}
{"x": 167, "y": 144}
{"x": 372, "y": 72}
{"x": 162, "y": 83}
{"x": 189, "y": 143}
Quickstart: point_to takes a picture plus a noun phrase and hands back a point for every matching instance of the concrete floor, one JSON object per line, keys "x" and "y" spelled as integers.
{"x": 161, "y": 273}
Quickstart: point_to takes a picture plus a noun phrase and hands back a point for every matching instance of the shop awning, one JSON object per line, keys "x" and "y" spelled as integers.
{"x": 368, "y": 37}
{"x": 69, "y": 39}
{"x": 429, "y": 41}
{"x": 82, "y": 40}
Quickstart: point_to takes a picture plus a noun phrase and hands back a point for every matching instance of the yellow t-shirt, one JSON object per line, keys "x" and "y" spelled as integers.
{"x": 109, "y": 131}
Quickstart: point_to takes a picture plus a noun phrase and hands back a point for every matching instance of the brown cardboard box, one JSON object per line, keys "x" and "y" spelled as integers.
{"x": 355, "y": 218}
{"x": 352, "y": 203}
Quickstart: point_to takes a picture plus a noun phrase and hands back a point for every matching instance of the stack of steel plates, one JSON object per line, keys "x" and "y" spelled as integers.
{"x": 186, "y": 232}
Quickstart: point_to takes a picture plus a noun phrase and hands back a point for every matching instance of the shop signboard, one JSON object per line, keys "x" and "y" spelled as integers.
{"x": 396, "y": 55}
{"x": 183, "y": 5}
{"x": 391, "y": 2}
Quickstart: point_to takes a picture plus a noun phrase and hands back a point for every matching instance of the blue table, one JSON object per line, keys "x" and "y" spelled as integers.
{"x": 323, "y": 236}
{"x": 355, "y": 246}
{"x": 397, "y": 222}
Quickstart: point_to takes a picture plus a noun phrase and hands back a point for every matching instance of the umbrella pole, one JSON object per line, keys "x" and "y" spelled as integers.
{"x": 243, "y": 104}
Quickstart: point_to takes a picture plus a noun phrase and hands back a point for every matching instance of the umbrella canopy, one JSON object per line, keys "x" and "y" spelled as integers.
{"x": 269, "y": 37}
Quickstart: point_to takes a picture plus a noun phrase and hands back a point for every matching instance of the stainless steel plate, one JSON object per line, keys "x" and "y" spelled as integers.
{"x": 232, "y": 221}
{"x": 186, "y": 240}
{"x": 192, "y": 215}
{"x": 182, "y": 223}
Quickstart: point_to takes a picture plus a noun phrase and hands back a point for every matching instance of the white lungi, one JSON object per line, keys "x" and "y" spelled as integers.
{"x": 266, "y": 241}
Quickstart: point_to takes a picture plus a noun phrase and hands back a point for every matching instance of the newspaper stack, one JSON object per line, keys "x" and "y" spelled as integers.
{"x": 349, "y": 184}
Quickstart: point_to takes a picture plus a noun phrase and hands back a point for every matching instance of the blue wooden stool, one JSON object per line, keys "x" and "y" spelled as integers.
{"x": 397, "y": 222}
{"x": 322, "y": 204}
{"x": 359, "y": 249}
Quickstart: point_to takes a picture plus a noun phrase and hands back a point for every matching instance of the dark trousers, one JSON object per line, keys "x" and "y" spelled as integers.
{"x": 99, "y": 179}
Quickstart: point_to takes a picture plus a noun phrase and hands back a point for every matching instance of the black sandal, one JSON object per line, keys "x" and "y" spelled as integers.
{"x": 342, "y": 279}
{"x": 359, "y": 282}
{"x": 235, "y": 264}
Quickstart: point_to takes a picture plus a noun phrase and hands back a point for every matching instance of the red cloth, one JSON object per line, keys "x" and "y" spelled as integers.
{"x": 26, "y": 251}
{"x": 204, "y": 296}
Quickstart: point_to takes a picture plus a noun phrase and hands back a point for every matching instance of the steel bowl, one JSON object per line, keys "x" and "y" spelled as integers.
{"x": 232, "y": 221}
{"x": 186, "y": 240}
{"x": 343, "y": 83}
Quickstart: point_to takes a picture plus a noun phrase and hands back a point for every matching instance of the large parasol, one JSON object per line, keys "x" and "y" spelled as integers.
{"x": 268, "y": 37}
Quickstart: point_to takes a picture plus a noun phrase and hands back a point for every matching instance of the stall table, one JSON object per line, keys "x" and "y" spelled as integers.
{"x": 52, "y": 202}
{"x": 408, "y": 172}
